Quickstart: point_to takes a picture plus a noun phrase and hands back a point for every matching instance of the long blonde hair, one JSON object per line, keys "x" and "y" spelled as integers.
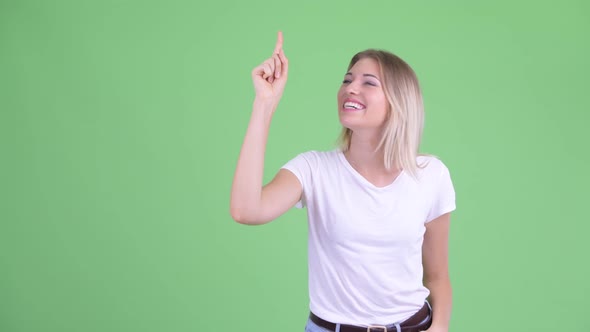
{"x": 405, "y": 120}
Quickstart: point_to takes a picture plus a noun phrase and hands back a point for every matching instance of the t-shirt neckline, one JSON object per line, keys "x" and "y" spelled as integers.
{"x": 359, "y": 176}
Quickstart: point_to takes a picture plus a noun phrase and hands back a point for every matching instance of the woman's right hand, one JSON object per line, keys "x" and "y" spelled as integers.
{"x": 270, "y": 77}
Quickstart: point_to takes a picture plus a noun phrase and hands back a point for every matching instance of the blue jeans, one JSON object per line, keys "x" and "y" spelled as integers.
{"x": 312, "y": 327}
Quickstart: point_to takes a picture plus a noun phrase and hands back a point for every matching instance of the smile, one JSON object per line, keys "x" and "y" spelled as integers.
{"x": 349, "y": 105}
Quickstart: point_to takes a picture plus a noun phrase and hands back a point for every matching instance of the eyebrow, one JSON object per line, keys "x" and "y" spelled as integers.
{"x": 366, "y": 75}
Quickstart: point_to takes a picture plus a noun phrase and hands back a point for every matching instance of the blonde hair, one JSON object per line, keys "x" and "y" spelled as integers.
{"x": 405, "y": 119}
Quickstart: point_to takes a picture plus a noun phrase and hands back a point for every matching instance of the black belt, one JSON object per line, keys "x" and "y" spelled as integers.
{"x": 420, "y": 321}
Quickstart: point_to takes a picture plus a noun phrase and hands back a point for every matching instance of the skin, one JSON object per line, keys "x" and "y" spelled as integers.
{"x": 435, "y": 260}
{"x": 363, "y": 84}
{"x": 252, "y": 203}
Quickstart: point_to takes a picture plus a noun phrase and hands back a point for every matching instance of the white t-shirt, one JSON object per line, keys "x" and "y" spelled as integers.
{"x": 365, "y": 242}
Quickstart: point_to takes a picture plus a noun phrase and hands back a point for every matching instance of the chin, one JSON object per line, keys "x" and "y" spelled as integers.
{"x": 348, "y": 119}
{"x": 347, "y": 124}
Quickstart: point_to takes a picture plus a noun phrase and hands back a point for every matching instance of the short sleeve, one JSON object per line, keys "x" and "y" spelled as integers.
{"x": 443, "y": 195}
{"x": 301, "y": 167}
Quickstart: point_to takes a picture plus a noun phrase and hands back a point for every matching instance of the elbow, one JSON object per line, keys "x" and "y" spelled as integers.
{"x": 243, "y": 216}
{"x": 237, "y": 215}
{"x": 239, "y": 211}
{"x": 239, "y": 218}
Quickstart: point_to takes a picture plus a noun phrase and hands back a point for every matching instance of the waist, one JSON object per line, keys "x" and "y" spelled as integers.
{"x": 420, "y": 321}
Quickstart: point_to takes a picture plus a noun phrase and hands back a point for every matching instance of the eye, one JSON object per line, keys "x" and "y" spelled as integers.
{"x": 370, "y": 83}
{"x": 346, "y": 81}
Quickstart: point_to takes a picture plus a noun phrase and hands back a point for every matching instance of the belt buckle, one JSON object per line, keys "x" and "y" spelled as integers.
{"x": 371, "y": 327}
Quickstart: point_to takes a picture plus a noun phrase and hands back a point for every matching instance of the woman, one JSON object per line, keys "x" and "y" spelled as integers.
{"x": 378, "y": 212}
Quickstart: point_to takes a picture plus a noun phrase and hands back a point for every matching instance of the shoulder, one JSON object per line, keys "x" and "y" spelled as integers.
{"x": 430, "y": 161}
{"x": 319, "y": 157}
{"x": 431, "y": 167}
{"x": 313, "y": 160}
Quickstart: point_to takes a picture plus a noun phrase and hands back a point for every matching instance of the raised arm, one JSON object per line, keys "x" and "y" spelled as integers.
{"x": 251, "y": 203}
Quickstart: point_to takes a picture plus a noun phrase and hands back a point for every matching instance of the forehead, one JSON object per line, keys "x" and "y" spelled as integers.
{"x": 365, "y": 66}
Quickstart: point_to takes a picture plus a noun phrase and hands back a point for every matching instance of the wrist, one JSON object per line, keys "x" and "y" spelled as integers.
{"x": 265, "y": 102}
{"x": 265, "y": 106}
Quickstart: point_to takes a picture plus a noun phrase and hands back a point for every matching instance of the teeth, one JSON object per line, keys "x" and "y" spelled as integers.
{"x": 356, "y": 106}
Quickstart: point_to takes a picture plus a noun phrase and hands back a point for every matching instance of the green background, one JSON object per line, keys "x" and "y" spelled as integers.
{"x": 121, "y": 123}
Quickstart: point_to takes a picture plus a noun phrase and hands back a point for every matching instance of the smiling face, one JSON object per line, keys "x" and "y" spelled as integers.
{"x": 381, "y": 99}
{"x": 362, "y": 104}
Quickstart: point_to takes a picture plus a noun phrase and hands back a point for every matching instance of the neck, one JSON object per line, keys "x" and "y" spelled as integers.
{"x": 369, "y": 162}
{"x": 363, "y": 153}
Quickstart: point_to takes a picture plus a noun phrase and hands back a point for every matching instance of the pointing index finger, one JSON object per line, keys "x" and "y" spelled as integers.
{"x": 279, "y": 44}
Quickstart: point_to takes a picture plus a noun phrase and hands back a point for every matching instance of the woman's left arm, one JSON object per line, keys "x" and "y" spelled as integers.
{"x": 435, "y": 259}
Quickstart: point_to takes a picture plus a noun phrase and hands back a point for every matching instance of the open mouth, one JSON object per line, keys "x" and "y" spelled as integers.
{"x": 353, "y": 106}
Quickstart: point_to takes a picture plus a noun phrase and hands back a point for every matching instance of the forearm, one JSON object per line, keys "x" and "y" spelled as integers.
{"x": 247, "y": 184}
{"x": 441, "y": 301}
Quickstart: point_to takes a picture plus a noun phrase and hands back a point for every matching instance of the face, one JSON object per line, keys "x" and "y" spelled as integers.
{"x": 361, "y": 101}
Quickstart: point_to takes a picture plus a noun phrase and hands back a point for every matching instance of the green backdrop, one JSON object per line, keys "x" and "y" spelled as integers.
{"x": 121, "y": 123}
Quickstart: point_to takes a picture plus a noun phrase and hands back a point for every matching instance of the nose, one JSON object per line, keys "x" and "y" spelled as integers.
{"x": 351, "y": 88}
